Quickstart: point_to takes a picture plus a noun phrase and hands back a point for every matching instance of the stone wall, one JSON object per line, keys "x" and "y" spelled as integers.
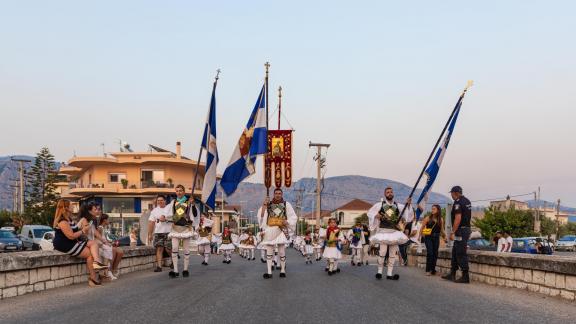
{"x": 25, "y": 272}
{"x": 546, "y": 274}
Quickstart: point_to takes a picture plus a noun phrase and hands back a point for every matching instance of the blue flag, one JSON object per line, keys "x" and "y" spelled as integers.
{"x": 209, "y": 144}
{"x": 434, "y": 166}
{"x": 252, "y": 142}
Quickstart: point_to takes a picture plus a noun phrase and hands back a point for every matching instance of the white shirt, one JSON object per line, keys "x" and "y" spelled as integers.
{"x": 501, "y": 245}
{"x": 509, "y": 240}
{"x": 160, "y": 227}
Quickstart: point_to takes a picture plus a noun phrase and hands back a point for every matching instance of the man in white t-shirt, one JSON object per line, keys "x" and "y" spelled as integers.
{"x": 501, "y": 242}
{"x": 509, "y": 241}
{"x": 160, "y": 227}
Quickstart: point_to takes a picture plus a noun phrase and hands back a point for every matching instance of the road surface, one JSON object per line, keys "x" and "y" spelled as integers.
{"x": 237, "y": 293}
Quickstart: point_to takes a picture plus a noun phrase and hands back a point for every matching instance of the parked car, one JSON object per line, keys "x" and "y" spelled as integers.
{"x": 46, "y": 241}
{"x": 566, "y": 243}
{"x": 528, "y": 245}
{"x": 8, "y": 228}
{"x": 9, "y": 241}
{"x": 31, "y": 235}
{"x": 125, "y": 241}
{"x": 481, "y": 244}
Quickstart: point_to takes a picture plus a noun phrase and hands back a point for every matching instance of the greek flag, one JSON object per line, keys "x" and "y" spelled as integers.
{"x": 434, "y": 166}
{"x": 209, "y": 144}
{"x": 252, "y": 142}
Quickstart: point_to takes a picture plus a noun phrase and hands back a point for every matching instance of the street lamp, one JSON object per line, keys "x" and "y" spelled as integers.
{"x": 122, "y": 219}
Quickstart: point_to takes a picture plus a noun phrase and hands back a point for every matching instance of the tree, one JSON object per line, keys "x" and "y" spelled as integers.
{"x": 519, "y": 223}
{"x": 42, "y": 197}
{"x": 5, "y": 218}
{"x": 362, "y": 219}
{"x": 567, "y": 229}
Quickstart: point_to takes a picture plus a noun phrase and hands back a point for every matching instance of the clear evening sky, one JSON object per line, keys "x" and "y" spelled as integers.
{"x": 377, "y": 80}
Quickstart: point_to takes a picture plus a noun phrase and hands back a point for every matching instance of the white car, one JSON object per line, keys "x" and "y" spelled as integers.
{"x": 566, "y": 243}
{"x": 46, "y": 241}
{"x": 31, "y": 235}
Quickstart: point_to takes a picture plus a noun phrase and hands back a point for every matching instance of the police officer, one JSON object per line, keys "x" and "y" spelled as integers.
{"x": 461, "y": 216}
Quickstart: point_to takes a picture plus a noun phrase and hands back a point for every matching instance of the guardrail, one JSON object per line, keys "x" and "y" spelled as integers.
{"x": 25, "y": 272}
{"x": 546, "y": 274}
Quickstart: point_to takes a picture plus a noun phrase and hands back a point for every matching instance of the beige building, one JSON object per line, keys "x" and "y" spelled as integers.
{"x": 503, "y": 205}
{"x": 310, "y": 218}
{"x": 127, "y": 183}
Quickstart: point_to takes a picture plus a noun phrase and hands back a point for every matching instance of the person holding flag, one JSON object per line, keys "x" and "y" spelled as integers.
{"x": 277, "y": 219}
{"x": 385, "y": 218}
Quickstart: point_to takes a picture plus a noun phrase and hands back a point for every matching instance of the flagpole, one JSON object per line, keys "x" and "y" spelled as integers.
{"x": 267, "y": 65}
{"x": 279, "y": 105}
{"x": 207, "y": 137}
{"x": 468, "y": 85}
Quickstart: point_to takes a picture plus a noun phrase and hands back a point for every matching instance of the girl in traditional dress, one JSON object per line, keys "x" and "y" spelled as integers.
{"x": 227, "y": 246}
{"x": 333, "y": 245}
{"x": 308, "y": 247}
{"x": 205, "y": 237}
{"x": 356, "y": 239}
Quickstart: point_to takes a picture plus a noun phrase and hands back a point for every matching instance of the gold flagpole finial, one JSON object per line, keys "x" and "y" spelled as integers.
{"x": 267, "y": 65}
{"x": 469, "y": 84}
{"x": 280, "y": 92}
{"x": 217, "y": 74}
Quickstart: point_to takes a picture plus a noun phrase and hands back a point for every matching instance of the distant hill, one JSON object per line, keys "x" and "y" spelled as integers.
{"x": 337, "y": 191}
{"x": 543, "y": 203}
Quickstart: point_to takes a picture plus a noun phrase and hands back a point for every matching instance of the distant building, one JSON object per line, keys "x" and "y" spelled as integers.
{"x": 310, "y": 218}
{"x": 127, "y": 183}
{"x": 504, "y": 205}
{"x": 347, "y": 213}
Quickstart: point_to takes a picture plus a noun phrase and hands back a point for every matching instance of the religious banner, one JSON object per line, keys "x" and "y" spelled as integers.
{"x": 279, "y": 158}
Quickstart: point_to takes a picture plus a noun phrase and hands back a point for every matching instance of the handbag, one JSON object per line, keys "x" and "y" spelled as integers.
{"x": 428, "y": 231}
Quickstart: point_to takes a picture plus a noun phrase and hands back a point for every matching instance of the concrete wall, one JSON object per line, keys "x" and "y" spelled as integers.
{"x": 25, "y": 272}
{"x": 546, "y": 274}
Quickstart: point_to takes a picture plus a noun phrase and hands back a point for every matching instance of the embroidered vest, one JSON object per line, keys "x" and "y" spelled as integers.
{"x": 390, "y": 215}
{"x": 227, "y": 239}
{"x": 180, "y": 216}
{"x": 356, "y": 235}
{"x": 276, "y": 214}
{"x": 332, "y": 238}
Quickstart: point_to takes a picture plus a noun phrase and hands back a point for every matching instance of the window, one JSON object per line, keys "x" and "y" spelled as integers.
{"x": 115, "y": 204}
{"x": 151, "y": 178}
{"x": 116, "y": 177}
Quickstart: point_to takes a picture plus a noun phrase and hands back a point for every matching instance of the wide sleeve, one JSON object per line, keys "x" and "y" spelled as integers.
{"x": 170, "y": 210}
{"x": 408, "y": 213}
{"x": 262, "y": 219}
{"x": 291, "y": 216}
{"x": 373, "y": 223}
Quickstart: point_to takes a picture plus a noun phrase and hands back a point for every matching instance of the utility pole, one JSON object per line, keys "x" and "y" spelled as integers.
{"x": 21, "y": 171}
{"x": 320, "y": 162}
{"x": 557, "y": 219}
{"x": 299, "y": 195}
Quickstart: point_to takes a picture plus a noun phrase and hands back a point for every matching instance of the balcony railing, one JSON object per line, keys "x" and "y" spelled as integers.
{"x": 157, "y": 184}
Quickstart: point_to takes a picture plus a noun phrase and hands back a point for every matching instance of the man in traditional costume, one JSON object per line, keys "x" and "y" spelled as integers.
{"x": 205, "y": 237}
{"x": 277, "y": 219}
{"x": 181, "y": 213}
{"x": 356, "y": 238}
{"x": 384, "y": 218}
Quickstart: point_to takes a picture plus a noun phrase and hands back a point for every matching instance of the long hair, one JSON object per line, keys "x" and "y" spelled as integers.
{"x": 438, "y": 216}
{"x": 61, "y": 211}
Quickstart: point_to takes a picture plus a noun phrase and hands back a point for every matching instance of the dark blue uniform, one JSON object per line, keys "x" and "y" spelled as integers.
{"x": 462, "y": 206}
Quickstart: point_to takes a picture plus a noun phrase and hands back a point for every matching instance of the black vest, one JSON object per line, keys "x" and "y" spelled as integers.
{"x": 390, "y": 215}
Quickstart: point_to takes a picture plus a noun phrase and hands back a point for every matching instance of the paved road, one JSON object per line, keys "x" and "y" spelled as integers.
{"x": 236, "y": 293}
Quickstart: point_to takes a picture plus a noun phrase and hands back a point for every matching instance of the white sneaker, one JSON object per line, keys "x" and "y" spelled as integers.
{"x": 110, "y": 275}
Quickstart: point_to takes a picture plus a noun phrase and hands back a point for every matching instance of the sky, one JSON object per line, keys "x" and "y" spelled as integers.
{"x": 375, "y": 79}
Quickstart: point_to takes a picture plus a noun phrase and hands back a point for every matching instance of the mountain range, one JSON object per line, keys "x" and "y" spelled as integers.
{"x": 337, "y": 192}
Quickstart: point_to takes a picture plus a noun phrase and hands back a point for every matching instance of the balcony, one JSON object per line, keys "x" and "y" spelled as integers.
{"x": 157, "y": 184}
